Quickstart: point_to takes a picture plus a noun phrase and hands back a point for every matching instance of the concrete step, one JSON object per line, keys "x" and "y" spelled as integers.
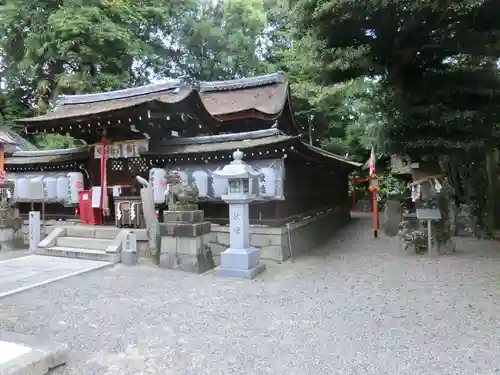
{"x": 84, "y": 243}
{"x": 77, "y": 253}
{"x": 92, "y": 231}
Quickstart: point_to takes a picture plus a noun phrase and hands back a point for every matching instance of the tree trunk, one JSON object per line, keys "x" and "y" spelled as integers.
{"x": 491, "y": 170}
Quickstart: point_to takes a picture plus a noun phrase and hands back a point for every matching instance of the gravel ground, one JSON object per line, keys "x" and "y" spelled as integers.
{"x": 356, "y": 306}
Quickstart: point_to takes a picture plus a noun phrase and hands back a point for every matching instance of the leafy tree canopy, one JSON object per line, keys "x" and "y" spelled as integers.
{"x": 435, "y": 61}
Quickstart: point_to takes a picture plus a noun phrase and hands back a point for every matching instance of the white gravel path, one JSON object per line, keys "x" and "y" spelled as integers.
{"x": 356, "y": 306}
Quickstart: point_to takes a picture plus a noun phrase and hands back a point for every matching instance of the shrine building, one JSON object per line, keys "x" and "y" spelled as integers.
{"x": 150, "y": 130}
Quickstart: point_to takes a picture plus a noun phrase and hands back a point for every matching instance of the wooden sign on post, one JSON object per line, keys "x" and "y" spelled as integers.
{"x": 429, "y": 214}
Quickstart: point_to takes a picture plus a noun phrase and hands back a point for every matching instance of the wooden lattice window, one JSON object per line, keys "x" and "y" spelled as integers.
{"x": 117, "y": 165}
{"x": 137, "y": 166}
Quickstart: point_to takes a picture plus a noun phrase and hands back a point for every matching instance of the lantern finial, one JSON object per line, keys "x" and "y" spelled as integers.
{"x": 238, "y": 155}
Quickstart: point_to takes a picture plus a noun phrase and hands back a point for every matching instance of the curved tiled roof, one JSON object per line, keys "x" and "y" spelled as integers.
{"x": 85, "y": 105}
{"x": 121, "y": 94}
{"x": 268, "y": 95}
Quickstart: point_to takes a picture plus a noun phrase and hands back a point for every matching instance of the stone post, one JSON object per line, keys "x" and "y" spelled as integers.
{"x": 240, "y": 259}
{"x": 184, "y": 240}
{"x": 129, "y": 250}
{"x": 34, "y": 230}
{"x": 8, "y": 219}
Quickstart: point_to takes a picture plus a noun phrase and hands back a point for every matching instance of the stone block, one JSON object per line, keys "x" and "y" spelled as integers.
{"x": 273, "y": 252}
{"x": 6, "y": 234}
{"x": 190, "y": 245}
{"x": 211, "y": 237}
{"x": 183, "y": 207}
{"x": 217, "y": 249}
{"x": 143, "y": 250}
{"x": 184, "y": 229}
{"x": 129, "y": 258}
{"x": 223, "y": 238}
{"x": 106, "y": 234}
{"x": 261, "y": 240}
{"x": 195, "y": 264}
{"x": 187, "y": 254}
{"x": 29, "y": 355}
{"x": 81, "y": 231}
{"x": 52, "y": 237}
{"x": 239, "y": 259}
{"x": 238, "y": 263}
{"x": 168, "y": 244}
{"x": 392, "y": 216}
{"x": 183, "y": 216}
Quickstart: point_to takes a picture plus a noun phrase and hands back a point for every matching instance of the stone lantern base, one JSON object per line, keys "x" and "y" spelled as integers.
{"x": 184, "y": 242}
{"x": 243, "y": 263}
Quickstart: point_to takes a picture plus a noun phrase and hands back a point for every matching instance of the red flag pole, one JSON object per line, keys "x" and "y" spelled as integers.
{"x": 375, "y": 213}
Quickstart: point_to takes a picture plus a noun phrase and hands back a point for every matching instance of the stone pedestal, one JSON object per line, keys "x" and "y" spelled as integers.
{"x": 6, "y": 238}
{"x": 184, "y": 241}
{"x": 129, "y": 250}
{"x": 393, "y": 215}
{"x": 240, "y": 259}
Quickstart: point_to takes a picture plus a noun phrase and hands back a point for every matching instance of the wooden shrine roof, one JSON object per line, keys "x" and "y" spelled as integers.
{"x": 81, "y": 106}
{"x": 265, "y": 97}
{"x": 265, "y": 94}
{"x": 218, "y": 143}
{"x": 272, "y": 140}
{"x": 14, "y": 142}
{"x": 220, "y": 147}
{"x": 47, "y": 156}
{"x": 333, "y": 156}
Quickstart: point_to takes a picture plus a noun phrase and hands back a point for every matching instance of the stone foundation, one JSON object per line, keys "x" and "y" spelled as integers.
{"x": 274, "y": 244}
{"x": 184, "y": 243}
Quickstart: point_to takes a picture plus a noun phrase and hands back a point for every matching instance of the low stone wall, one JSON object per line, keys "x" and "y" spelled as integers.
{"x": 274, "y": 243}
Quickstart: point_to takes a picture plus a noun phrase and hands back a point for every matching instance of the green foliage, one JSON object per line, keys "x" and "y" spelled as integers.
{"x": 413, "y": 235}
{"x": 435, "y": 63}
{"x": 48, "y": 48}
{"x": 222, "y": 40}
{"x": 343, "y": 116}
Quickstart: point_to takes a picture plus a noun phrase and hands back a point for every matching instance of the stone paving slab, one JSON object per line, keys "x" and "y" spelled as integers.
{"x": 29, "y": 355}
{"x": 20, "y": 274}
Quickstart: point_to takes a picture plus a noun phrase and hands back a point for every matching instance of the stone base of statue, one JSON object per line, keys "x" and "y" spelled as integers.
{"x": 242, "y": 263}
{"x": 173, "y": 207}
{"x": 6, "y": 238}
{"x": 184, "y": 241}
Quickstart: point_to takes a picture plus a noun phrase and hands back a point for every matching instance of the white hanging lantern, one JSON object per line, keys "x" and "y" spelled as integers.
{"x": 50, "y": 185}
{"x": 201, "y": 181}
{"x": 62, "y": 188}
{"x": 158, "y": 180}
{"x": 267, "y": 182}
{"x": 75, "y": 186}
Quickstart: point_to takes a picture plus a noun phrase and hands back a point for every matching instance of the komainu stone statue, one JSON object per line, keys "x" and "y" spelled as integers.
{"x": 179, "y": 192}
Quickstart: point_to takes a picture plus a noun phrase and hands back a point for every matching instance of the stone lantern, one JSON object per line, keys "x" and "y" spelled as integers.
{"x": 240, "y": 259}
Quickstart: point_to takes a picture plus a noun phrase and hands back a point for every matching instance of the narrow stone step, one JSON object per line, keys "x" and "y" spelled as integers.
{"x": 77, "y": 253}
{"x": 84, "y": 243}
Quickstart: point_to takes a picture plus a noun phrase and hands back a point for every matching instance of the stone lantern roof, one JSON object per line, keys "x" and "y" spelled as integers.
{"x": 237, "y": 168}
